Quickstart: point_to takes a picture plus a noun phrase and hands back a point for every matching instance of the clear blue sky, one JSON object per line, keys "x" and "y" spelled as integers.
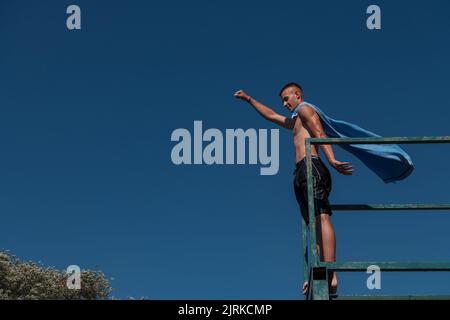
{"x": 86, "y": 116}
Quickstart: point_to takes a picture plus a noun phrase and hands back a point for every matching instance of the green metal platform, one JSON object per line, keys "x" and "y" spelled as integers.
{"x": 316, "y": 272}
{"x": 379, "y": 297}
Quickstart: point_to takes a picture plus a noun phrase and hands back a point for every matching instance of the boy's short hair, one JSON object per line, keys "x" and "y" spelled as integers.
{"x": 292, "y": 84}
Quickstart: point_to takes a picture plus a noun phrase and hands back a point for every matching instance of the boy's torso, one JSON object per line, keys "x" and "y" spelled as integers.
{"x": 300, "y": 133}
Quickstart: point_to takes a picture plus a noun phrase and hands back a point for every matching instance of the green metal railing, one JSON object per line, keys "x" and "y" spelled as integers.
{"x": 315, "y": 271}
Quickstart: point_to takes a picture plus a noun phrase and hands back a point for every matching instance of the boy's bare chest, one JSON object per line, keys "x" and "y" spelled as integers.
{"x": 300, "y": 132}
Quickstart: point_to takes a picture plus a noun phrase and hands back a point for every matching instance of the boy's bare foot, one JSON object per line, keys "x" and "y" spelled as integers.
{"x": 333, "y": 284}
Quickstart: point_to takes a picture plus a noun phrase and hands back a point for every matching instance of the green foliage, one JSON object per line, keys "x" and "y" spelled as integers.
{"x": 30, "y": 281}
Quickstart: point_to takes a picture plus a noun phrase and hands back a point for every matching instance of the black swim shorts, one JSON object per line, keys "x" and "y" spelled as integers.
{"x": 321, "y": 187}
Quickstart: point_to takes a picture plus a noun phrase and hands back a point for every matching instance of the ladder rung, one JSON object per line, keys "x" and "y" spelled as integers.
{"x": 387, "y": 266}
{"x": 386, "y": 207}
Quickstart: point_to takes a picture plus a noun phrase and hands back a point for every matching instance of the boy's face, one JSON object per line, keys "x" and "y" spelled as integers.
{"x": 291, "y": 98}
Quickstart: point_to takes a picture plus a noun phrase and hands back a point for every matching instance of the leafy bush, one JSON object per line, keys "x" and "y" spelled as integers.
{"x": 30, "y": 281}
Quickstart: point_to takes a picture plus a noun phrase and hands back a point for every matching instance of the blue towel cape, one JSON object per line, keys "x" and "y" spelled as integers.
{"x": 388, "y": 161}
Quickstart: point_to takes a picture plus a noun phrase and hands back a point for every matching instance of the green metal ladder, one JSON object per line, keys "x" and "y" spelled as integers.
{"x": 316, "y": 272}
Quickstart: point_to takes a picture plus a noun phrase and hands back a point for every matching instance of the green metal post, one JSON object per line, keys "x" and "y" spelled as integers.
{"x": 305, "y": 251}
{"x": 319, "y": 281}
{"x": 312, "y": 218}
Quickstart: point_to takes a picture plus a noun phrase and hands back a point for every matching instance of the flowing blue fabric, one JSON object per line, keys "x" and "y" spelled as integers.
{"x": 388, "y": 161}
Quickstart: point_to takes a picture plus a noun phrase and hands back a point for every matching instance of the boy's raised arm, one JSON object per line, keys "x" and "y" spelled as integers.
{"x": 266, "y": 112}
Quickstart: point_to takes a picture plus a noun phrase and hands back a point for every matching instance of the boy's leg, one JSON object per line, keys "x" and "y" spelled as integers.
{"x": 319, "y": 241}
{"x": 327, "y": 245}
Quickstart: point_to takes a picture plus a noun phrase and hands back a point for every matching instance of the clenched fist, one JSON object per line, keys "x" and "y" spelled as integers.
{"x": 242, "y": 95}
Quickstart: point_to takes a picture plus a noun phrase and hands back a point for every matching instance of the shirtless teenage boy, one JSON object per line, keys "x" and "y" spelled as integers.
{"x": 304, "y": 125}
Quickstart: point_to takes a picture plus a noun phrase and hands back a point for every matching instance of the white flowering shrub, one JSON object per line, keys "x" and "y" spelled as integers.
{"x": 30, "y": 281}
